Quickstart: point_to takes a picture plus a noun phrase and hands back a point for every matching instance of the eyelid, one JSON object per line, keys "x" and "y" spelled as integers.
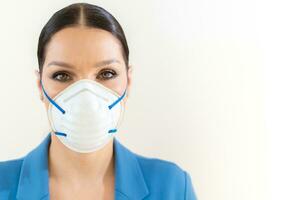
{"x": 111, "y": 71}
{"x": 106, "y": 69}
{"x": 71, "y": 74}
{"x": 110, "y": 67}
{"x": 61, "y": 72}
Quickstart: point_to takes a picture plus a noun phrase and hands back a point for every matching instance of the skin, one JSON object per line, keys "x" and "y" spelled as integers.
{"x": 74, "y": 175}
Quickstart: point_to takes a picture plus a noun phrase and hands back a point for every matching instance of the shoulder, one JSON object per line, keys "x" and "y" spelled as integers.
{"x": 166, "y": 177}
{"x": 159, "y": 168}
{"x": 9, "y": 174}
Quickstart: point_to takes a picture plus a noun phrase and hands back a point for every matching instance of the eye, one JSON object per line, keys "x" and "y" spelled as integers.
{"x": 107, "y": 74}
{"x": 61, "y": 76}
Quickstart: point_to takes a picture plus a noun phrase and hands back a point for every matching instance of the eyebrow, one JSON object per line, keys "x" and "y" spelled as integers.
{"x": 98, "y": 64}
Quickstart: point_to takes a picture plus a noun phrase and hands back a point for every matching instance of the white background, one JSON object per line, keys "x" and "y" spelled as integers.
{"x": 215, "y": 89}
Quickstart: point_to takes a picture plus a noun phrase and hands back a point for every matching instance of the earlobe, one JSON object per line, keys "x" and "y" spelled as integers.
{"x": 129, "y": 80}
{"x": 38, "y": 76}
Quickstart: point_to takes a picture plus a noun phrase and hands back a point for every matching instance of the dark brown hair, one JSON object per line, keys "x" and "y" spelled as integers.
{"x": 80, "y": 14}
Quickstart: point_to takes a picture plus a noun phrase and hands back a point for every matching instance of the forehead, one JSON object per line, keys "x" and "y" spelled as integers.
{"x": 83, "y": 44}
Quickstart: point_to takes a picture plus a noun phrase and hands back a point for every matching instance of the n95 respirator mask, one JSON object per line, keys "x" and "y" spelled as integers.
{"x": 86, "y": 115}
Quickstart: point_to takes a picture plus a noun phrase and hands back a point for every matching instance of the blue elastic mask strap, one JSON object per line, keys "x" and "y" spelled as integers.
{"x": 61, "y": 134}
{"x": 118, "y": 100}
{"x": 112, "y": 105}
{"x": 51, "y": 101}
{"x": 112, "y": 130}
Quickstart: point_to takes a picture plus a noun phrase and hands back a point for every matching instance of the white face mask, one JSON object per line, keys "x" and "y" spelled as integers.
{"x": 85, "y": 115}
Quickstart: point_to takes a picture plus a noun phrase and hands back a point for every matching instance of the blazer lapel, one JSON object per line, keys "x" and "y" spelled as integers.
{"x": 34, "y": 176}
{"x": 33, "y": 182}
{"x": 130, "y": 183}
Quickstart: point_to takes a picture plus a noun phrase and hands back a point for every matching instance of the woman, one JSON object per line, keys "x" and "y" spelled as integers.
{"x": 84, "y": 80}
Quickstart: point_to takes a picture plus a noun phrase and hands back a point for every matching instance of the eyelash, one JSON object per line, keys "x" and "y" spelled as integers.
{"x": 55, "y": 74}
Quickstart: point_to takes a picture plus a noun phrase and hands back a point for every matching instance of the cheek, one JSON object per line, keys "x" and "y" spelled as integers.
{"x": 120, "y": 88}
{"x": 51, "y": 94}
{"x": 117, "y": 84}
{"x": 52, "y": 88}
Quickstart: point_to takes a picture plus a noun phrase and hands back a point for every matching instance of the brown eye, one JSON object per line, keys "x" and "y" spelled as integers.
{"x": 107, "y": 74}
{"x": 61, "y": 76}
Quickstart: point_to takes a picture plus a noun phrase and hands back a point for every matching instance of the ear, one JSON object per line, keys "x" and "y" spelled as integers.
{"x": 129, "y": 79}
{"x": 38, "y": 82}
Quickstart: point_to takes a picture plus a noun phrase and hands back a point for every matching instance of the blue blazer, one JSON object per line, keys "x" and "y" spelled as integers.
{"x": 136, "y": 177}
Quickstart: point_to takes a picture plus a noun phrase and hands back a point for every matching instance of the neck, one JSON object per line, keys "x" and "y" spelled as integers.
{"x": 74, "y": 167}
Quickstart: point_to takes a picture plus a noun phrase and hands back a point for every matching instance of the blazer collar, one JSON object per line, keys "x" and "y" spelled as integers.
{"x": 34, "y": 176}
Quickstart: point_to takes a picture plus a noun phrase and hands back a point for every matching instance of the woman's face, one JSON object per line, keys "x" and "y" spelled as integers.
{"x": 76, "y": 53}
